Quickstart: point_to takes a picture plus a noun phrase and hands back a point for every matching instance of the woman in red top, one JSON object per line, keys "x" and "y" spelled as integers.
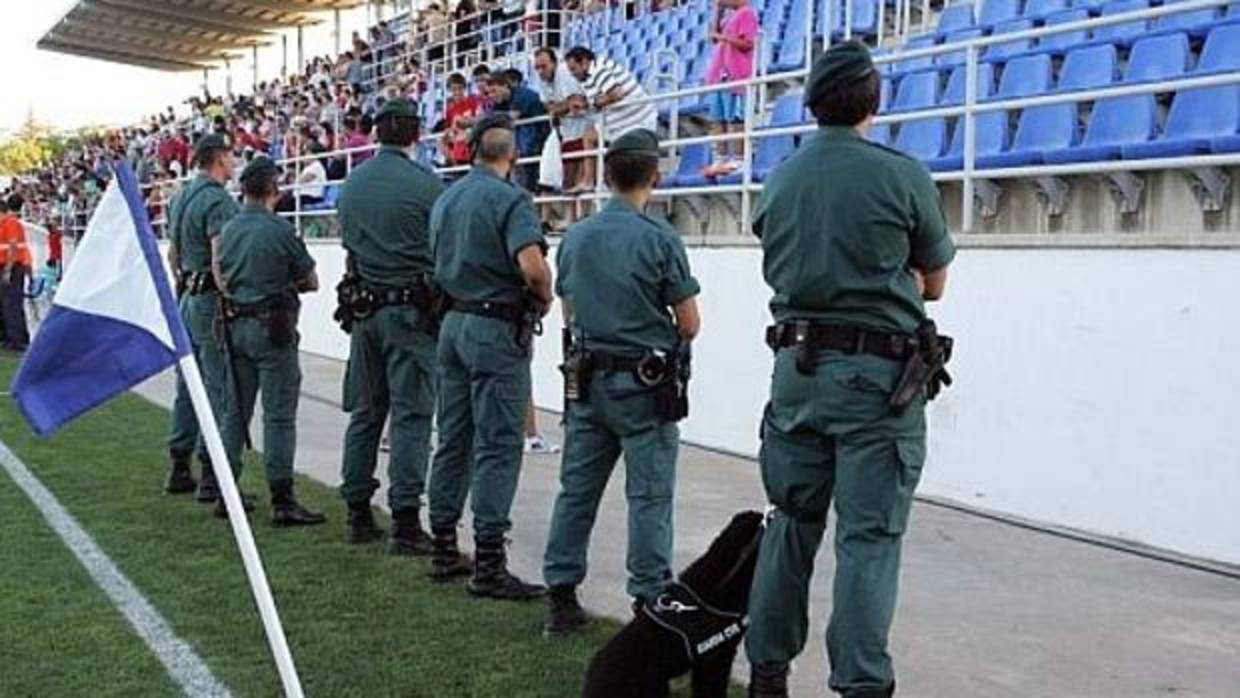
{"x": 463, "y": 110}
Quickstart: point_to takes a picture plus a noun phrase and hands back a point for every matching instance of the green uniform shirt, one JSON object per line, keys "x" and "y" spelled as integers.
{"x": 620, "y": 271}
{"x": 384, "y": 210}
{"x": 841, "y": 222}
{"x": 261, "y": 256}
{"x": 477, "y": 228}
{"x": 199, "y": 213}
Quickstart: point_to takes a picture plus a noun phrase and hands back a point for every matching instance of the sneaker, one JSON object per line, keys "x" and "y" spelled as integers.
{"x": 539, "y": 446}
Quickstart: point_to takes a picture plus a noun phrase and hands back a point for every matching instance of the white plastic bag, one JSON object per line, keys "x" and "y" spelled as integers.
{"x": 551, "y": 168}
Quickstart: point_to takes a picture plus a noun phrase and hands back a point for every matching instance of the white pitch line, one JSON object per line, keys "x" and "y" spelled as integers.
{"x": 179, "y": 659}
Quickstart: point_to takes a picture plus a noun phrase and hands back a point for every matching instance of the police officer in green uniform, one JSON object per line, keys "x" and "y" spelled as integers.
{"x": 629, "y": 300}
{"x": 385, "y": 210}
{"x": 854, "y": 240}
{"x": 264, "y": 266}
{"x": 202, "y": 209}
{"x": 490, "y": 259}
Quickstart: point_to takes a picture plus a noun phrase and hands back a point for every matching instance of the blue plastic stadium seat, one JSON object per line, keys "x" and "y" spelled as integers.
{"x": 1064, "y": 41}
{"x": 1226, "y": 144}
{"x": 1197, "y": 119}
{"x": 1222, "y": 50}
{"x": 955, "y": 17}
{"x": 791, "y": 55}
{"x": 689, "y": 172}
{"x": 923, "y": 139}
{"x": 954, "y": 93}
{"x": 921, "y": 62}
{"x": 917, "y": 91}
{"x": 995, "y": 12}
{"x": 864, "y": 18}
{"x": 1044, "y": 128}
{"x": 954, "y": 58}
{"x": 1197, "y": 23}
{"x": 1008, "y": 49}
{"x": 1127, "y": 32}
{"x": 789, "y": 110}
{"x": 1040, "y": 9}
{"x": 1024, "y": 76}
{"x": 1045, "y": 131}
{"x": 1131, "y": 120}
{"x": 1158, "y": 58}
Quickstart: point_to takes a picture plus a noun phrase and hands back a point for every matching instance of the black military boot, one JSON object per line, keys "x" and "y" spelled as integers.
{"x": 492, "y": 579}
{"x": 447, "y": 562}
{"x": 181, "y": 476}
{"x": 208, "y": 488}
{"x": 287, "y": 511}
{"x": 221, "y": 510}
{"x": 768, "y": 682}
{"x": 362, "y": 526}
{"x": 564, "y": 614}
{"x": 408, "y": 538}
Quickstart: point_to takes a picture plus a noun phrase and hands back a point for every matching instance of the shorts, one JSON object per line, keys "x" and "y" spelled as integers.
{"x": 727, "y": 107}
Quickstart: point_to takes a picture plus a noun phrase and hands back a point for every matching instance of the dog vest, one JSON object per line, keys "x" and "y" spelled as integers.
{"x": 700, "y": 627}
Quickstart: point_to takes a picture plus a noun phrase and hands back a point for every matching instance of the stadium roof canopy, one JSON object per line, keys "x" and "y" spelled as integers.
{"x": 178, "y": 34}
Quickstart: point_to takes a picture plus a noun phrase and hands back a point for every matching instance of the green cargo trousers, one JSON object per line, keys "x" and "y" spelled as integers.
{"x": 618, "y": 417}
{"x": 199, "y": 314}
{"x": 829, "y": 437}
{"x": 391, "y": 371}
{"x": 184, "y": 437}
{"x": 484, "y": 384}
{"x": 257, "y": 364}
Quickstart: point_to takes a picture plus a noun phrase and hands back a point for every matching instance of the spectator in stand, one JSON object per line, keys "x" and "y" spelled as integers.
{"x": 313, "y": 177}
{"x": 359, "y": 127}
{"x": 436, "y": 21}
{"x": 353, "y": 73}
{"x": 734, "y": 31}
{"x": 565, "y": 100}
{"x": 15, "y": 267}
{"x": 463, "y": 110}
{"x": 614, "y": 92}
{"x": 521, "y": 103}
{"x": 174, "y": 148}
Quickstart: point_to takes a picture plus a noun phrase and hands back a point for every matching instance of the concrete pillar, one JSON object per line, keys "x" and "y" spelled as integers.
{"x": 284, "y": 65}
{"x": 336, "y": 37}
{"x": 228, "y": 83}
{"x": 254, "y": 86}
{"x": 301, "y": 49}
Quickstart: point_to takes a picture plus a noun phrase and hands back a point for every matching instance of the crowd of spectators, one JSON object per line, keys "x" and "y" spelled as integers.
{"x": 328, "y": 107}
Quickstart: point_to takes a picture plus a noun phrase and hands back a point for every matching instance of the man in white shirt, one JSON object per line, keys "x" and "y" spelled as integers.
{"x": 614, "y": 91}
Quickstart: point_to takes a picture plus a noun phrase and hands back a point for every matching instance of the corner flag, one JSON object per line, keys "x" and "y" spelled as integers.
{"x": 114, "y": 321}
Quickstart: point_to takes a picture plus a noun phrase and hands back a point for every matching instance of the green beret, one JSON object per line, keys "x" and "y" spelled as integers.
{"x": 639, "y": 142}
{"x": 842, "y": 64}
{"x": 209, "y": 144}
{"x": 259, "y": 166}
{"x": 486, "y": 123}
{"x": 398, "y": 107}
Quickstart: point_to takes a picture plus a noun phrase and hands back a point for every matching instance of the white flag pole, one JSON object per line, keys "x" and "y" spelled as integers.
{"x": 241, "y": 529}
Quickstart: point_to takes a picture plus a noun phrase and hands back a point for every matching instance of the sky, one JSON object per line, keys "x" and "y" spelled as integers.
{"x": 69, "y": 92}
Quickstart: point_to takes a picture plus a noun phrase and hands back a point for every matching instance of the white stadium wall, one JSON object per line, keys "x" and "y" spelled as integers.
{"x": 1095, "y": 388}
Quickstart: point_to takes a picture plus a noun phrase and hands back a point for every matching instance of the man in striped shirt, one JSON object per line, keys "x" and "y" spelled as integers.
{"x": 613, "y": 91}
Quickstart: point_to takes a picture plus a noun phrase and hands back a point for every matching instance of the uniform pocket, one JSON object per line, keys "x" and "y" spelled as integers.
{"x": 910, "y": 457}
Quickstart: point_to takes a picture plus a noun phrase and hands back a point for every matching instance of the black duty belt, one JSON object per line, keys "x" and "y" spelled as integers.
{"x": 386, "y": 295}
{"x": 260, "y": 309}
{"x": 850, "y": 340}
{"x": 615, "y": 363}
{"x": 508, "y": 312}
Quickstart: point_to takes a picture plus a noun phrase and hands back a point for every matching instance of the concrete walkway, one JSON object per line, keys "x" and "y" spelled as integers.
{"x": 987, "y": 609}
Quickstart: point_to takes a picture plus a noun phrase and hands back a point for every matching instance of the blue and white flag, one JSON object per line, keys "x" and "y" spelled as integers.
{"x": 114, "y": 321}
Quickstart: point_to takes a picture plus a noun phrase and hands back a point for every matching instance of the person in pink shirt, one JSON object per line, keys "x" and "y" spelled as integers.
{"x": 734, "y": 31}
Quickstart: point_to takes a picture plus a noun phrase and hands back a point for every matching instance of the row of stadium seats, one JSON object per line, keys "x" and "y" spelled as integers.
{"x": 1203, "y": 120}
{"x": 1195, "y": 23}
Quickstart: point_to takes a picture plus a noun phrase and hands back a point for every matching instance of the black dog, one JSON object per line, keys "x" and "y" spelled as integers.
{"x": 696, "y": 626}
